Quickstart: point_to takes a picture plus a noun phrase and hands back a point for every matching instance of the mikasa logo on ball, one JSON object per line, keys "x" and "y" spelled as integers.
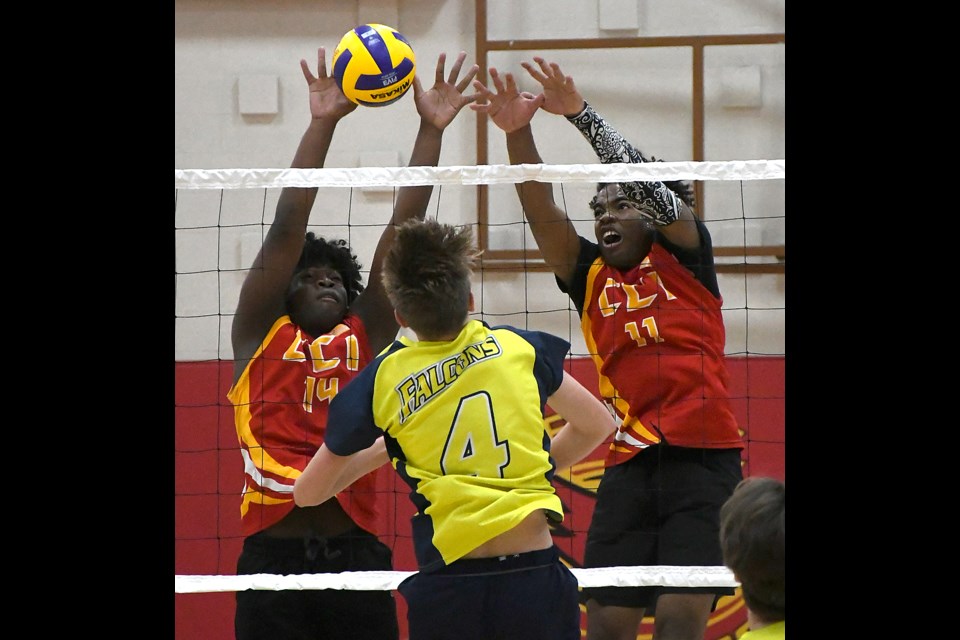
{"x": 392, "y": 92}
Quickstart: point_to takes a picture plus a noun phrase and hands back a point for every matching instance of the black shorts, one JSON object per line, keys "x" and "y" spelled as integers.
{"x": 529, "y": 596}
{"x": 332, "y": 614}
{"x": 661, "y": 507}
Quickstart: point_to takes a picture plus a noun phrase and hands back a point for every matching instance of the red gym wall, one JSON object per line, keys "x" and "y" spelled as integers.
{"x": 209, "y": 479}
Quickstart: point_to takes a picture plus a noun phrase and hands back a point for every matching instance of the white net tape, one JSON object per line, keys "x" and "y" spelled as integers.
{"x": 385, "y": 580}
{"x": 475, "y": 175}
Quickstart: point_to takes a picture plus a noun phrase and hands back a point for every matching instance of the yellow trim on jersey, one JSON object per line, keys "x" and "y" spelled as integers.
{"x": 256, "y": 497}
{"x": 239, "y": 394}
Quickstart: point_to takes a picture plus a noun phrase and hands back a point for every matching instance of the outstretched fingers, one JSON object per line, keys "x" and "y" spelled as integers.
{"x": 454, "y": 70}
{"x": 534, "y": 73}
{"x": 464, "y": 82}
{"x": 558, "y": 74}
{"x": 321, "y": 67}
{"x": 307, "y": 74}
{"x": 417, "y": 88}
{"x": 481, "y": 88}
{"x": 322, "y": 62}
{"x": 511, "y": 84}
{"x": 468, "y": 79}
{"x": 438, "y": 74}
{"x": 482, "y": 97}
{"x": 497, "y": 81}
{"x": 550, "y": 69}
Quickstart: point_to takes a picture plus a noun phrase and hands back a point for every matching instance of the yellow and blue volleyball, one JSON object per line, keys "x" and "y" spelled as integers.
{"x": 373, "y": 65}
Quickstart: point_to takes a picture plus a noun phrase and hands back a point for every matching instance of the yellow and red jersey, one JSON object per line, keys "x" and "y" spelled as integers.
{"x": 656, "y": 336}
{"x": 280, "y": 404}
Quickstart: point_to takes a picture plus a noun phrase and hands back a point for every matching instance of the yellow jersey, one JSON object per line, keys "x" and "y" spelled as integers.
{"x": 463, "y": 425}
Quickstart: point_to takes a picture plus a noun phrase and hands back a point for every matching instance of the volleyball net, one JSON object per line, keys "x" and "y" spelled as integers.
{"x": 222, "y": 216}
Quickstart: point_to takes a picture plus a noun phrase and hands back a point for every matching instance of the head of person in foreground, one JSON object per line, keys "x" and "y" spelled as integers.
{"x": 426, "y": 275}
{"x": 753, "y": 541}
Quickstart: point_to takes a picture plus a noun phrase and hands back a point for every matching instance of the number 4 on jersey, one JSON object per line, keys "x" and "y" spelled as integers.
{"x": 472, "y": 447}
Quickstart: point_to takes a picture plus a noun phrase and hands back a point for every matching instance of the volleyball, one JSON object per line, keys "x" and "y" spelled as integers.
{"x": 373, "y": 65}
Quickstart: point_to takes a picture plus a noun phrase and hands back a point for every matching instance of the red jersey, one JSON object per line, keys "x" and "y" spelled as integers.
{"x": 280, "y": 411}
{"x": 656, "y": 336}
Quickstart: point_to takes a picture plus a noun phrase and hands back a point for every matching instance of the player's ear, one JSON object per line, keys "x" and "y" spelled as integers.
{"x": 402, "y": 322}
{"x": 470, "y": 307}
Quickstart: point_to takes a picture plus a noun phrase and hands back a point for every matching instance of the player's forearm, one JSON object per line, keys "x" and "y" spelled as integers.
{"x": 579, "y": 438}
{"x": 362, "y": 463}
{"x": 318, "y": 481}
{"x": 589, "y": 423}
{"x": 412, "y": 201}
{"x": 653, "y": 198}
{"x": 606, "y": 141}
{"x": 327, "y": 474}
{"x": 522, "y": 149}
{"x": 426, "y": 148}
{"x": 555, "y": 235}
{"x": 295, "y": 203}
{"x": 314, "y": 144}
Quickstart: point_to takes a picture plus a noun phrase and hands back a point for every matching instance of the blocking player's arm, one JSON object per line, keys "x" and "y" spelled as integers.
{"x": 589, "y": 422}
{"x": 438, "y": 107}
{"x": 263, "y": 294}
{"x": 327, "y": 474}
{"x": 554, "y": 232}
{"x": 654, "y": 199}
{"x": 512, "y": 112}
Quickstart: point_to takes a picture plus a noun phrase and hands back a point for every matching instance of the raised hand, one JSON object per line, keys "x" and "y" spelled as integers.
{"x": 443, "y": 101}
{"x": 326, "y": 99}
{"x": 509, "y": 108}
{"x": 560, "y": 95}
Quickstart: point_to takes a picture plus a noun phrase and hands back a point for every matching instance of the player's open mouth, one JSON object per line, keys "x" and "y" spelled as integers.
{"x": 610, "y": 238}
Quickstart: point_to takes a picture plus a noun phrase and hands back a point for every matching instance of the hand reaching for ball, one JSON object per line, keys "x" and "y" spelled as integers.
{"x": 326, "y": 98}
{"x": 560, "y": 95}
{"x": 442, "y": 102}
{"x": 509, "y": 108}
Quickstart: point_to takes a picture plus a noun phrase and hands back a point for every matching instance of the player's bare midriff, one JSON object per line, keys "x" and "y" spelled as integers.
{"x": 532, "y": 534}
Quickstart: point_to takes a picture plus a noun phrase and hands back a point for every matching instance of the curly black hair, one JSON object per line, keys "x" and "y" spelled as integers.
{"x": 318, "y": 251}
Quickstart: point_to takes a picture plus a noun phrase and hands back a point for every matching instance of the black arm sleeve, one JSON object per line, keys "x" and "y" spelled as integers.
{"x": 654, "y": 199}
